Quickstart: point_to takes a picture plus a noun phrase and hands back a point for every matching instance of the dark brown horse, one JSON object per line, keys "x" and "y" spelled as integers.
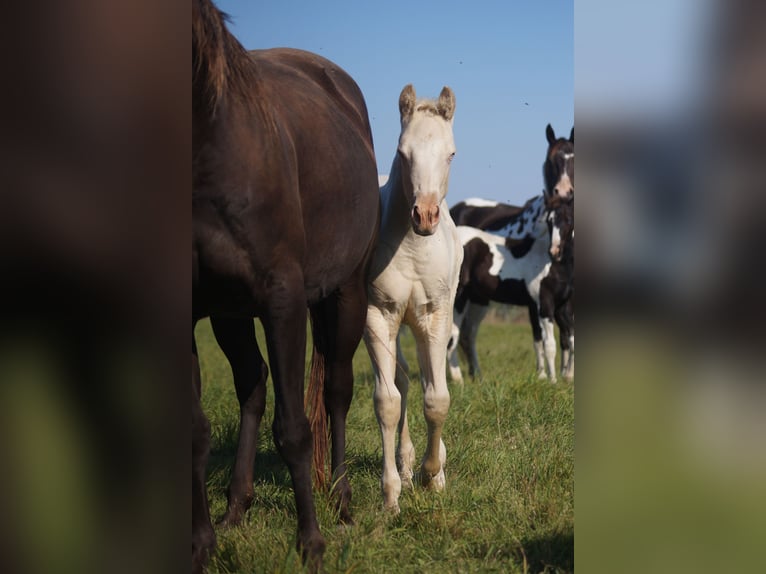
{"x": 285, "y": 209}
{"x": 558, "y": 169}
{"x": 557, "y": 288}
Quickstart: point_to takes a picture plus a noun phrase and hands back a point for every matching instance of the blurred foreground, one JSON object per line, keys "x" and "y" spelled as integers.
{"x": 671, "y": 400}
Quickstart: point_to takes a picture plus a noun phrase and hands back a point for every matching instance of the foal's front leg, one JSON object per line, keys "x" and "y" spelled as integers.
{"x": 380, "y": 339}
{"x": 432, "y": 356}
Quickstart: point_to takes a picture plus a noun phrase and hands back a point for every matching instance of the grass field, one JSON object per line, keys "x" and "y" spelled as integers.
{"x": 509, "y": 501}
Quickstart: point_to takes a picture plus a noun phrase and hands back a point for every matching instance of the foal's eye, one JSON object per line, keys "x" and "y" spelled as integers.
{"x": 451, "y": 157}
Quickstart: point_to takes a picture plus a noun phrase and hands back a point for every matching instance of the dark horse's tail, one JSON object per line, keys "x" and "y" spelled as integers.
{"x": 317, "y": 414}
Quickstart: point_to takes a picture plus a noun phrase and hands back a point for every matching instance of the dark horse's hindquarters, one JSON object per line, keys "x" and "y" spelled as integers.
{"x": 285, "y": 212}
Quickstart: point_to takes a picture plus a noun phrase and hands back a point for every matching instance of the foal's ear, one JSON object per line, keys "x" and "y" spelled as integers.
{"x": 406, "y": 102}
{"x": 446, "y": 104}
{"x": 571, "y": 135}
{"x": 549, "y": 135}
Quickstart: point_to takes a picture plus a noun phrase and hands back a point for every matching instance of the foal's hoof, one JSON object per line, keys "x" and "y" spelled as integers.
{"x": 542, "y": 375}
{"x": 436, "y": 482}
{"x": 406, "y": 476}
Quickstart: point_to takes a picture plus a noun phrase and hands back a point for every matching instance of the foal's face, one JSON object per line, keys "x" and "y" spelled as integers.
{"x": 426, "y": 148}
{"x": 561, "y": 226}
{"x": 558, "y": 169}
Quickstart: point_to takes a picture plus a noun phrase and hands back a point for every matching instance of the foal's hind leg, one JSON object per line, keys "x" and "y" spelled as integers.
{"x": 236, "y": 337}
{"x": 405, "y": 452}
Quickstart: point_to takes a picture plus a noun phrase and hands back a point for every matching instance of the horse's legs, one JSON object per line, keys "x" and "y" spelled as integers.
{"x": 236, "y": 337}
{"x": 452, "y": 355}
{"x": 549, "y": 345}
{"x": 469, "y": 331}
{"x": 432, "y": 356}
{"x": 203, "y": 536}
{"x": 338, "y": 323}
{"x": 565, "y": 319}
{"x": 537, "y": 338}
{"x": 380, "y": 340}
{"x": 284, "y": 323}
{"x": 405, "y": 453}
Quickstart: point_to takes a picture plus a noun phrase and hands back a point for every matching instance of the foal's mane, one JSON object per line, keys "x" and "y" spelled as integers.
{"x": 428, "y": 106}
{"x": 219, "y": 62}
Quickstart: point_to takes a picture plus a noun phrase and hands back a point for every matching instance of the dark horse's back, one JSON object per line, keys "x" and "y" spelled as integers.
{"x": 305, "y": 110}
{"x": 316, "y": 98}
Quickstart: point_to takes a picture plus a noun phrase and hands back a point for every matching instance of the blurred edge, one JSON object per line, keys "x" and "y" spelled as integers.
{"x": 671, "y": 401}
{"x": 94, "y": 231}
{"x": 94, "y": 228}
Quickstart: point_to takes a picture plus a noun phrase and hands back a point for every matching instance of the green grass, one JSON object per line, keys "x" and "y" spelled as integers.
{"x": 509, "y": 501}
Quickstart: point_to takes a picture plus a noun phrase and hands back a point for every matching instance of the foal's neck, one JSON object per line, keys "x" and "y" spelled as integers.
{"x": 396, "y": 208}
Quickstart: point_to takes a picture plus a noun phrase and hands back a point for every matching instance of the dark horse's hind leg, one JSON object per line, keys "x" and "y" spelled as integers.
{"x": 337, "y": 326}
{"x": 236, "y": 337}
{"x": 203, "y": 536}
{"x": 285, "y": 325}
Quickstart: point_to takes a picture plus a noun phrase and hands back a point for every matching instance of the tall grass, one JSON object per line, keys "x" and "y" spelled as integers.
{"x": 508, "y": 505}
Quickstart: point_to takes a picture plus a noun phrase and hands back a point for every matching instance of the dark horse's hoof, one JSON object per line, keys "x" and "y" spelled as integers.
{"x": 203, "y": 546}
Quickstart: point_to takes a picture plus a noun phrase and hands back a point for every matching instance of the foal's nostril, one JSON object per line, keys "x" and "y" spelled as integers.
{"x": 435, "y": 215}
{"x": 416, "y": 215}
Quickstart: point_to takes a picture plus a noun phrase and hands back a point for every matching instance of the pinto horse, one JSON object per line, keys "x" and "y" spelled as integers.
{"x": 413, "y": 280}
{"x": 506, "y": 267}
{"x": 558, "y": 168}
{"x": 557, "y": 289}
{"x": 279, "y": 223}
{"x": 484, "y": 214}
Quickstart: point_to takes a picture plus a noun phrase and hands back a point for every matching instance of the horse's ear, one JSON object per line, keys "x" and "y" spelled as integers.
{"x": 446, "y": 105}
{"x": 571, "y": 135}
{"x": 549, "y": 135}
{"x": 406, "y": 102}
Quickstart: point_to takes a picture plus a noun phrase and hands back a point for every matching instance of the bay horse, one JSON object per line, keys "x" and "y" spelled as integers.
{"x": 413, "y": 279}
{"x": 506, "y": 267}
{"x": 557, "y": 289}
{"x": 558, "y": 167}
{"x": 279, "y": 224}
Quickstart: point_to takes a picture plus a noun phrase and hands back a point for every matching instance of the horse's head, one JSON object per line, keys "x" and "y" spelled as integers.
{"x": 426, "y": 148}
{"x": 558, "y": 168}
{"x": 560, "y": 226}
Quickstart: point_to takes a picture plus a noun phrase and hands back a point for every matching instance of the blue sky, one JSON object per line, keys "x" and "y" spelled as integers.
{"x": 510, "y": 64}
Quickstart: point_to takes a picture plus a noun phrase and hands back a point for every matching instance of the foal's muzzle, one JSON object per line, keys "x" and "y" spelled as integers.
{"x": 425, "y": 219}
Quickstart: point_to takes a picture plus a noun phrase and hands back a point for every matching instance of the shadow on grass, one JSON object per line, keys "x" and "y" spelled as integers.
{"x": 550, "y": 554}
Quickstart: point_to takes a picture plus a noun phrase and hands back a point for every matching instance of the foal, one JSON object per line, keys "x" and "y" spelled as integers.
{"x": 413, "y": 280}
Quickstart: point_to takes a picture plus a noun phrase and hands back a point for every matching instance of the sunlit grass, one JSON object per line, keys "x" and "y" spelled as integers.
{"x": 509, "y": 502}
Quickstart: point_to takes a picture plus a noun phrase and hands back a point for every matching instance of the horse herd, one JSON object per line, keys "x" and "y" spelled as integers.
{"x": 287, "y": 230}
